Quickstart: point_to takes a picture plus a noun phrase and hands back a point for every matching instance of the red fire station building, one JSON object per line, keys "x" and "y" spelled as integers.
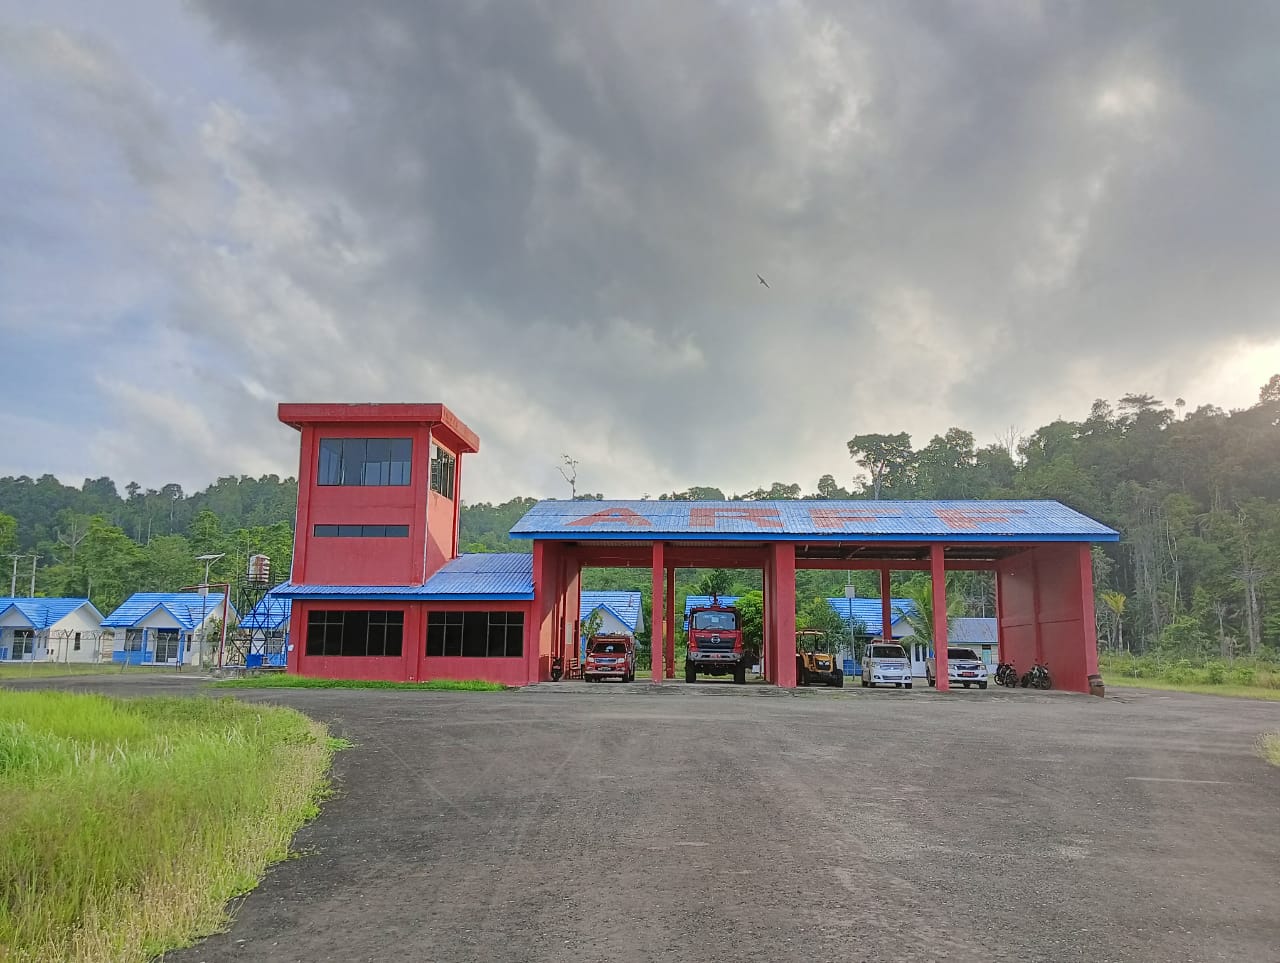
{"x": 380, "y": 590}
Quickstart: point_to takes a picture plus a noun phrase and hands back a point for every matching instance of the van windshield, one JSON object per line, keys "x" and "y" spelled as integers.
{"x": 888, "y": 652}
{"x": 608, "y": 648}
{"x": 965, "y": 654}
{"x": 724, "y": 621}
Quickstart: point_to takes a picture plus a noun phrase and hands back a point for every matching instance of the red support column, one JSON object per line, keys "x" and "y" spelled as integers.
{"x": 657, "y": 646}
{"x": 886, "y": 607}
{"x": 766, "y": 626}
{"x": 1035, "y": 607}
{"x": 1000, "y": 616}
{"x": 670, "y": 631}
{"x": 1088, "y": 611}
{"x": 938, "y": 569}
{"x": 784, "y": 620}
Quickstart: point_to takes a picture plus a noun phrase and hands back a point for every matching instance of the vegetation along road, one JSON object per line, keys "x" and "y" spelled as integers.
{"x": 572, "y": 822}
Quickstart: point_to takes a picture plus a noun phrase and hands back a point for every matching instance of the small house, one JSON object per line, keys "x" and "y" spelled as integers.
{"x": 49, "y": 630}
{"x": 169, "y": 628}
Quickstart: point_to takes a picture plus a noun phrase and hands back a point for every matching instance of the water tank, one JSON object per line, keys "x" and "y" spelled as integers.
{"x": 259, "y": 569}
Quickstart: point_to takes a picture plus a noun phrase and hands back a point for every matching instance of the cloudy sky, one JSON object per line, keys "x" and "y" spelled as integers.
{"x": 550, "y": 216}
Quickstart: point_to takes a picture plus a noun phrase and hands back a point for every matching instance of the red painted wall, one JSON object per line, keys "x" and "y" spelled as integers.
{"x": 413, "y": 665}
{"x": 362, "y": 561}
{"x": 1047, "y": 613}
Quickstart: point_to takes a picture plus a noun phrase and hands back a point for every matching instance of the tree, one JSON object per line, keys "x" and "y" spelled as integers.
{"x": 716, "y": 582}
{"x": 751, "y": 614}
{"x": 920, "y": 615}
{"x": 887, "y": 458}
{"x": 1270, "y": 392}
{"x": 569, "y": 471}
{"x": 817, "y": 615}
{"x": 8, "y": 533}
{"x": 827, "y": 488}
{"x": 1115, "y": 602}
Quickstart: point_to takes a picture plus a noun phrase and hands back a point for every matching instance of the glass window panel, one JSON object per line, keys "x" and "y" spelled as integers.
{"x": 352, "y": 460}
{"x": 350, "y": 531}
{"x": 377, "y": 462}
{"x": 475, "y": 635}
{"x": 330, "y": 468}
{"x": 326, "y": 531}
{"x": 373, "y": 531}
{"x": 401, "y": 458}
{"x": 397, "y": 531}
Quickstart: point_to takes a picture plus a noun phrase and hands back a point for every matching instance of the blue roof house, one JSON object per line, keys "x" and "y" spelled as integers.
{"x": 620, "y": 612}
{"x": 49, "y": 630}
{"x": 168, "y": 628}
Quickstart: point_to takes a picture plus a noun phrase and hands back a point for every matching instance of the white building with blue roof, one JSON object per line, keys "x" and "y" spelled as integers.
{"x": 169, "y": 628}
{"x": 620, "y": 612}
{"x": 49, "y": 630}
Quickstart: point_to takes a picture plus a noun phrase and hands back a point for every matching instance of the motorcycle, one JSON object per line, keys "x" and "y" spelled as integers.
{"x": 557, "y": 668}
{"x": 1006, "y": 675}
{"x": 1037, "y": 678}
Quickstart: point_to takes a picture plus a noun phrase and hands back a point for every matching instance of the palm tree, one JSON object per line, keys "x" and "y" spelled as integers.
{"x": 921, "y": 619}
{"x": 1114, "y": 601}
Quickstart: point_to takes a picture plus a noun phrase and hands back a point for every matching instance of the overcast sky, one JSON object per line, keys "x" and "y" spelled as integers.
{"x": 550, "y": 216}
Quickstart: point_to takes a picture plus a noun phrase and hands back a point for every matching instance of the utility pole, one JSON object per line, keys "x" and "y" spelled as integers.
{"x": 13, "y": 583}
{"x": 34, "y": 559}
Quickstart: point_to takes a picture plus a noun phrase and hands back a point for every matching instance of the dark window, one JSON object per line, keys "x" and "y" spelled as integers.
{"x": 168, "y": 644}
{"x": 475, "y": 635}
{"x": 442, "y": 472}
{"x": 77, "y": 641}
{"x": 364, "y": 461}
{"x": 361, "y": 531}
{"x": 725, "y": 621}
{"x": 358, "y": 633}
{"x": 24, "y": 643}
{"x": 133, "y": 640}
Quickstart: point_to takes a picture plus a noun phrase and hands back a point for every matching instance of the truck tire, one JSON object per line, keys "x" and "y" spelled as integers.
{"x": 907, "y": 686}
{"x": 929, "y": 679}
{"x": 982, "y": 685}
{"x": 838, "y": 679}
{"x": 690, "y": 674}
{"x": 740, "y": 675}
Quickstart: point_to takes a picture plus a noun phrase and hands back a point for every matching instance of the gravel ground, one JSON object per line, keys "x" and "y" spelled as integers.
{"x": 711, "y": 822}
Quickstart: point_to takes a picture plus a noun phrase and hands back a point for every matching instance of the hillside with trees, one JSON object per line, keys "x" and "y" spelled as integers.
{"x": 1195, "y": 494}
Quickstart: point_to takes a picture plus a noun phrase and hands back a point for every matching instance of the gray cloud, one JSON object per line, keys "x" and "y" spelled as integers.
{"x": 550, "y": 216}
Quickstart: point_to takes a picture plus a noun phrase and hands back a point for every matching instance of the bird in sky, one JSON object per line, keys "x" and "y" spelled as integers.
{"x": 762, "y": 280}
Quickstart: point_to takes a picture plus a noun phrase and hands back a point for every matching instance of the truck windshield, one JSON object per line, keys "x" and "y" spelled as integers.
{"x": 609, "y": 648}
{"x": 887, "y": 652}
{"x": 724, "y": 621}
{"x": 967, "y": 654}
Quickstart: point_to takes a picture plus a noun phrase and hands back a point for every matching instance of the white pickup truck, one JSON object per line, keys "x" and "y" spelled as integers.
{"x": 885, "y": 664}
{"x": 963, "y": 668}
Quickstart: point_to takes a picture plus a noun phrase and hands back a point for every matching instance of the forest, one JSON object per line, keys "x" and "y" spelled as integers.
{"x": 1194, "y": 493}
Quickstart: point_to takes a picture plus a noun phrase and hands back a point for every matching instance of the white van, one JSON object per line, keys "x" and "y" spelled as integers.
{"x": 885, "y": 663}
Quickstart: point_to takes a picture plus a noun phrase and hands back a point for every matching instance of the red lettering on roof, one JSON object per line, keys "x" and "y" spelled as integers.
{"x": 960, "y": 519}
{"x": 614, "y": 516}
{"x": 843, "y": 517}
{"x": 760, "y": 517}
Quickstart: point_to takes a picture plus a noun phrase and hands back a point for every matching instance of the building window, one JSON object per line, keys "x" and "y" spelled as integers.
{"x": 355, "y": 633}
{"x": 133, "y": 639}
{"x": 24, "y": 643}
{"x": 364, "y": 461}
{"x": 361, "y": 531}
{"x": 442, "y": 472}
{"x": 77, "y": 646}
{"x": 475, "y": 635}
{"x": 168, "y": 644}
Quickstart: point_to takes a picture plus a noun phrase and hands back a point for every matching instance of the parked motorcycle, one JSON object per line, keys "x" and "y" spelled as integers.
{"x": 1006, "y": 674}
{"x": 557, "y": 669}
{"x": 1037, "y": 678}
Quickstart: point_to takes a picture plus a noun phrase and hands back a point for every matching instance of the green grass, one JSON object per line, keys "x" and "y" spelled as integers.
{"x": 283, "y": 680}
{"x": 27, "y": 670}
{"x": 128, "y": 824}
{"x": 1235, "y": 691}
{"x": 1270, "y": 746}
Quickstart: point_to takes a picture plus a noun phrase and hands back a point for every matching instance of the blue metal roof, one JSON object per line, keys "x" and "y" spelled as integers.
{"x": 870, "y": 613}
{"x": 863, "y": 521}
{"x": 45, "y": 613}
{"x": 625, "y": 606}
{"x": 972, "y": 632}
{"x": 188, "y": 609}
{"x": 269, "y": 615}
{"x": 497, "y": 576}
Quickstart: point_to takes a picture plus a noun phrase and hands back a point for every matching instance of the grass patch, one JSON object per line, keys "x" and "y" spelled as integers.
{"x": 41, "y": 670}
{"x": 128, "y": 824}
{"x": 284, "y": 680}
{"x": 1202, "y": 688}
{"x": 1270, "y": 746}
